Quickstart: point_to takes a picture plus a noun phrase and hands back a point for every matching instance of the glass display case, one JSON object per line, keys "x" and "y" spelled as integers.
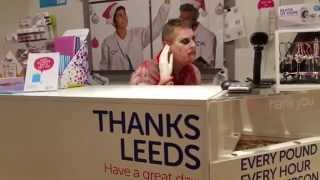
{"x": 297, "y": 58}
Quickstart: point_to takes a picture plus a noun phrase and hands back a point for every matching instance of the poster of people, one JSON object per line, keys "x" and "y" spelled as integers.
{"x": 122, "y": 37}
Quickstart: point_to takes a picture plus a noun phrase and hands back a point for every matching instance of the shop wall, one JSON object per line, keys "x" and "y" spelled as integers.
{"x": 254, "y": 21}
{"x": 69, "y": 16}
{"x": 258, "y": 21}
{"x": 11, "y": 11}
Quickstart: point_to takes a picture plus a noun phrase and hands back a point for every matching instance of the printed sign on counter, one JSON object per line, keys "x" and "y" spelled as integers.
{"x": 290, "y": 162}
{"x": 157, "y": 142}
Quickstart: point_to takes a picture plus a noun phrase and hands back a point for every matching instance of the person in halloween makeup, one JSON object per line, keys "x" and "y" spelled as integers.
{"x": 173, "y": 66}
{"x": 123, "y": 50}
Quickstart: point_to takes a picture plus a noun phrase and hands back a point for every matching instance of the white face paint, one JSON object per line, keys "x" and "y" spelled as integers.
{"x": 183, "y": 46}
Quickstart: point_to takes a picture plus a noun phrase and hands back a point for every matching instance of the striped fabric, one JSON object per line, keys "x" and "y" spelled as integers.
{"x": 64, "y": 61}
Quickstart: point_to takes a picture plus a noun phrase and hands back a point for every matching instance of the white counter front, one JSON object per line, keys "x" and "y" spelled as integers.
{"x": 104, "y": 133}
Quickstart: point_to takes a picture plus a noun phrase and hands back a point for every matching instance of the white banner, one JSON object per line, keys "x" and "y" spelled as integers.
{"x": 299, "y": 14}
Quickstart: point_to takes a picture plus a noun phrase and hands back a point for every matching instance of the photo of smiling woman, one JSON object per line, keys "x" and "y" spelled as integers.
{"x": 123, "y": 47}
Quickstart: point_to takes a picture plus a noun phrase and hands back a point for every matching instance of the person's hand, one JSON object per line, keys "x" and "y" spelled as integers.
{"x": 165, "y": 64}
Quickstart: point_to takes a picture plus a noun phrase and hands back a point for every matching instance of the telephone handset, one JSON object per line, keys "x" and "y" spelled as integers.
{"x": 165, "y": 63}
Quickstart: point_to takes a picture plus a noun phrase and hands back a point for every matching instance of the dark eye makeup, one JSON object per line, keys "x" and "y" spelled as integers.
{"x": 185, "y": 41}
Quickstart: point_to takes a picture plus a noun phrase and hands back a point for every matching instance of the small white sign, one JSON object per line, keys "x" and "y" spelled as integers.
{"x": 299, "y": 14}
{"x": 42, "y": 72}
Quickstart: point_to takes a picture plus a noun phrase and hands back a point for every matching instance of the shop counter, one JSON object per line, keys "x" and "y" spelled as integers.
{"x": 157, "y": 133}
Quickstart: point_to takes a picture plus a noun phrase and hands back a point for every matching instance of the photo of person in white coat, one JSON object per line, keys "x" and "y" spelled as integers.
{"x": 206, "y": 42}
{"x": 123, "y": 50}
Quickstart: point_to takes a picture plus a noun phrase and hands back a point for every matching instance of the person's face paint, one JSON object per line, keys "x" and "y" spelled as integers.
{"x": 183, "y": 46}
{"x": 121, "y": 19}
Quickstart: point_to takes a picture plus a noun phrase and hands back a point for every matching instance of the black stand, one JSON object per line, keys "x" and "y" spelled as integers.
{"x": 259, "y": 40}
{"x": 257, "y": 65}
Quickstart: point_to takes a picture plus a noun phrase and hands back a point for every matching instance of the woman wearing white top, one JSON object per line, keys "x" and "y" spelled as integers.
{"x": 123, "y": 50}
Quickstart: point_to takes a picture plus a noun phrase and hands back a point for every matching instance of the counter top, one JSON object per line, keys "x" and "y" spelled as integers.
{"x": 134, "y": 92}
